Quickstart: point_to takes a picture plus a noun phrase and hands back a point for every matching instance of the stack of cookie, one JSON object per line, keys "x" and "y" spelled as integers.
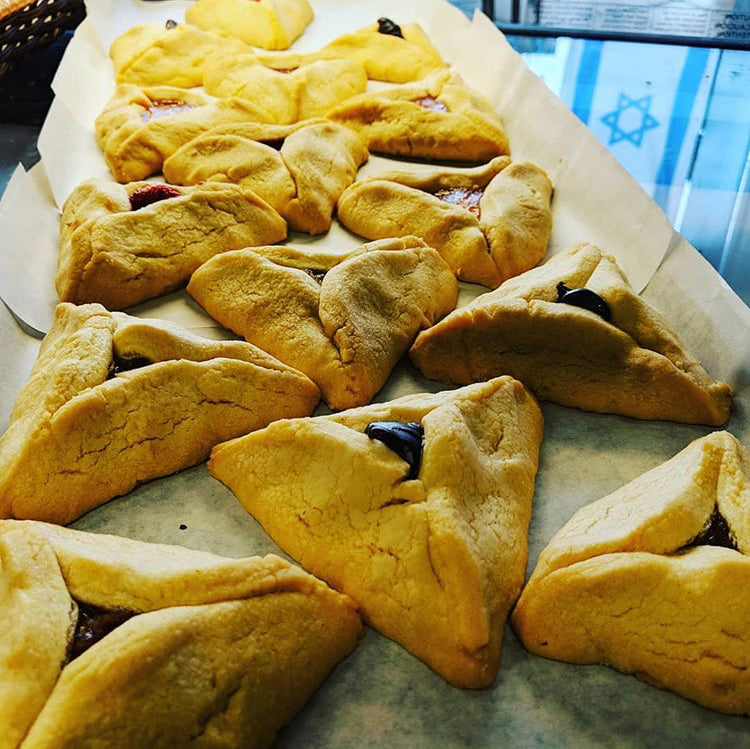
{"x": 415, "y": 511}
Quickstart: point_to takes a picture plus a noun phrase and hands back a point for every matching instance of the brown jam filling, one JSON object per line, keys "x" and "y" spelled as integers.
{"x": 318, "y": 275}
{"x": 275, "y": 143}
{"x": 430, "y": 102}
{"x": 466, "y": 197}
{"x": 286, "y": 70}
{"x": 94, "y": 623}
{"x": 165, "y": 108}
{"x": 148, "y": 194}
{"x": 127, "y": 363}
{"x": 717, "y": 534}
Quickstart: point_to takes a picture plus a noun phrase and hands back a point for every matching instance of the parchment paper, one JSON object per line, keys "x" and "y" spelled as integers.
{"x": 382, "y": 696}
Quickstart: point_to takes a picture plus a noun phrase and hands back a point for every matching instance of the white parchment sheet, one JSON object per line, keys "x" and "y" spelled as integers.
{"x": 382, "y": 696}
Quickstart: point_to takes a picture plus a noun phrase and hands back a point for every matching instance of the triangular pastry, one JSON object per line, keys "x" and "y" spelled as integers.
{"x": 119, "y": 643}
{"x": 292, "y": 89}
{"x": 300, "y": 170}
{"x": 171, "y": 55}
{"x": 487, "y": 223}
{"x": 575, "y": 332}
{"x": 271, "y": 24}
{"x": 113, "y": 401}
{"x": 344, "y": 320}
{"x": 122, "y": 244}
{"x": 140, "y": 127}
{"x": 388, "y": 51}
{"x": 424, "y": 522}
{"x": 654, "y": 578}
{"x": 438, "y": 118}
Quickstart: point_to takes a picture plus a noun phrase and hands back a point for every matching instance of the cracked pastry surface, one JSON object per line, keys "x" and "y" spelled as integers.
{"x": 300, "y": 170}
{"x": 140, "y": 127}
{"x": 271, "y": 24}
{"x": 344, "y": 319}
{"x": 174, "y": 55}
{"x": 210, "y": 652}
{"x": 434, "y": 562}
{"x": 634, "y": 364}
{"x": 122, "y": 244}
{"x": 488, "y": 223}
{"x": 290, "y": 88}
{"x": 437, "y": 118}
{"x": 640, "y": 580}
{"x": 113, "y": 401}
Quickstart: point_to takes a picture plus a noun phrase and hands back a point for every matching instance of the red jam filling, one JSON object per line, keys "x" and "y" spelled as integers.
{"x": 466, "y": 197}
{"x": 430, "y": 102}
{"x": 165, "y": 108}
{"x": 148, "y": 194}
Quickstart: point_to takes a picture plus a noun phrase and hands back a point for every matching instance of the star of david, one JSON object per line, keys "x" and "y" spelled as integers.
{"x": 630, "y": 120}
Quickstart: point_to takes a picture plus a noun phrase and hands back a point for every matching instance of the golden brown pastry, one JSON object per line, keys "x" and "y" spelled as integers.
{"x": 487, "y": 223}
{"x": 140, "y": 127}
{"x": 119, "y": 643}
{"x": 272, "y": 24}
{"x": 424, "y": 522}
{"x": 301, "y": 170}
{"x": 654, "y": 578}
{"x": 290, "y": 89}
{"x": 113, "y": 401}
{"x": 387, "y": 51}
{"x": 438, "y": 118}
{"x": 171, "y": 55}
{"x": 343, "y": 319}
{"x": 122, "y": 244}
{"x": 574, "y": 332}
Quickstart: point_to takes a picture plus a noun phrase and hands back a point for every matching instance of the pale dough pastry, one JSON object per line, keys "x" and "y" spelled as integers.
{"x": 654, "y": 578}
{"x": 434, "y": 554}
{"x": 300, "y": 170}
{"x": 438, "y": 118}
{"x": 344, "y": 320}
{"x": 574, "y": 331}
{"x": 175, "y": 55}
{"x": 488, "y": 223}
{"x": 292, "y": 91}
{"x": 113, "y": 401}
{"x": 140, "y": 127}
{"x": 119, "y": 643}
{"x": 122, "y": 244}
{"x": 272, "y": 24}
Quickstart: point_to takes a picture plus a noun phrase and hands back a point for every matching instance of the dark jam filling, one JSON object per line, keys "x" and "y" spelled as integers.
{"x": 164, "y": 108}
{"x": 276, "y": 143}
{"x": 405, "y": 439}
{"x": 127, "y": 363}
{"x": 318, "y": 275}
{"x": 391, "y": 28}
{"x": 285, "y": 70}
{"x": 584, "y": 298}
{"x": 94, "y": 623}
{"x": 466, "y": 197}
{"x": 717, "y": 534}
{"x": 170, "y": 24}
{"x": 148, "y": 194}
{"x": 430, "y": 102}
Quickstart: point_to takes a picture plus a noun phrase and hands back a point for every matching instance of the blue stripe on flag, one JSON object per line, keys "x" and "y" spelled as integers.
{"x": 690, "y": 81}
{"x": 588, "y": 72}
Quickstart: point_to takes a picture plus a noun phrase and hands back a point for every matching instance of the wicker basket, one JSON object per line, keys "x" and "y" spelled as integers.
{"x": 25, "y": 26}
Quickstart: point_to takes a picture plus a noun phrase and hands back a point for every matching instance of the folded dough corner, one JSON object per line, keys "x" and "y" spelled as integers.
{"x": 123, "y": 244}
{"x": 113, "y": 401}
{"x": 488, "y": 223}
{"x": 300, "y": 169}
{"x": 438, "y": 118}
{"x": 344, "y": 319}
{"x": 654, "y": 579}
{"x": 119, "y": 643}
{"x": 574, "y": 332}
{"x": 424, "y": 523}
